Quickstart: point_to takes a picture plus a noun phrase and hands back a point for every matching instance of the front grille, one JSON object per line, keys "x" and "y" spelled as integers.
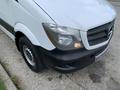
{"x": 100, "y": 34}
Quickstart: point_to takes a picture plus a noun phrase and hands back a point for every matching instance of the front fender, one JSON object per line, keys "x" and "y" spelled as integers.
{"x": 23, "y": 29}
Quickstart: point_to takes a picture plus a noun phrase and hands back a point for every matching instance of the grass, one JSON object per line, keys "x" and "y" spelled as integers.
{"x": 2, "y": 85}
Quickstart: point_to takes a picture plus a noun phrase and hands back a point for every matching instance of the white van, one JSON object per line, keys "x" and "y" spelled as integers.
{"x": 65, "y": 35}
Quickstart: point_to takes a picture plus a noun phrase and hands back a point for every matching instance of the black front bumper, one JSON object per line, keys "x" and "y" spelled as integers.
{"x": 66, "y": 62}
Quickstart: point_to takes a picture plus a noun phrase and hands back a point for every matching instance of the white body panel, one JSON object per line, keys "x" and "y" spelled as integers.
{"x": 80, "y": 14}
{"x": 27, "y": 17}
{"x": 19, "y": 15}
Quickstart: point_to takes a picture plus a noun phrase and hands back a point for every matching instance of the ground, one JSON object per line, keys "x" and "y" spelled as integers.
{"x": 102, "y": 75}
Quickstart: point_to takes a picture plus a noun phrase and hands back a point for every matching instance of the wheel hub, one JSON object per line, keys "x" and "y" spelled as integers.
{"x": 28, "y": 55}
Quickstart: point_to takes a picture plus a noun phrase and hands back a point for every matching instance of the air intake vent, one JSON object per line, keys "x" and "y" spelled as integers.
{"x": 100, "y": 34}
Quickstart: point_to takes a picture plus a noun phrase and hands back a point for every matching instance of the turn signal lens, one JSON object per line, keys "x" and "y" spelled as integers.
{"x": 77, "y": 45}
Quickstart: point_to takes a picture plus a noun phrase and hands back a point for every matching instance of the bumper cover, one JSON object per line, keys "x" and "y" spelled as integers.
{"x": 66, "y": 62}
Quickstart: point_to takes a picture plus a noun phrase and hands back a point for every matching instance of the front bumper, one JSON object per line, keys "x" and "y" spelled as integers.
{"x": 66, "y": 62}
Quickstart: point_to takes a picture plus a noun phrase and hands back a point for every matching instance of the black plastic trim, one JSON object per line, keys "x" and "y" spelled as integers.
{"x": 65, "y": 62}
{"x": 7, "y": 26}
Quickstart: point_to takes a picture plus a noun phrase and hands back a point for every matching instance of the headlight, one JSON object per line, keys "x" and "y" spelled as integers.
{"x": 62, "y": 37}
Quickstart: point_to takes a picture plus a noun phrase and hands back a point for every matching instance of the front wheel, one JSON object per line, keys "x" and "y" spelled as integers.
{"x": 31, "y": 55}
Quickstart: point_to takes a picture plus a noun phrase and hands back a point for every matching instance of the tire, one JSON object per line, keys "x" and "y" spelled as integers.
{"x": 31, "y": 55}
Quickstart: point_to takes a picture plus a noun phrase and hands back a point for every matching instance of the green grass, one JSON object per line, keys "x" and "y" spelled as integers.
{"x": 2, "y": 85}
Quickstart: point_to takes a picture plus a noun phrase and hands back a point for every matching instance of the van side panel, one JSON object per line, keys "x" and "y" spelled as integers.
{"x": 29, "y": 22}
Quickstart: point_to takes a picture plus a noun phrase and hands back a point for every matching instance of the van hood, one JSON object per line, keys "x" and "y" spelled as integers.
{"x": 79, "y": 14}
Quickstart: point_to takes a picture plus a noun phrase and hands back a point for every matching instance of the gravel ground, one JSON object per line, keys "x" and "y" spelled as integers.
{"x": 7, "y": 82}
{"x": 103, "y": 75}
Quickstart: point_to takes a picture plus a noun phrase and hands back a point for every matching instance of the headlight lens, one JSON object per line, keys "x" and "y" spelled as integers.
{"x": 64, "y": 40}
{"x": 62, "y": 37}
